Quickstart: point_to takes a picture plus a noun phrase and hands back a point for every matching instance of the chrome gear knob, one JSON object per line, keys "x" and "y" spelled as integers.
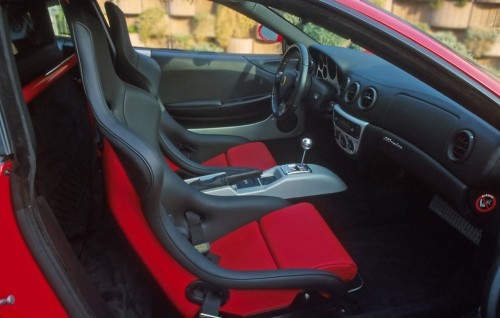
{"x": 306, "y": 143}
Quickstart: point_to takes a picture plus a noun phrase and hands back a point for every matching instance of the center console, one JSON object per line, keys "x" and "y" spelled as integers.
{"x": 348, "y": 130}
{"x": 285, "y": 181}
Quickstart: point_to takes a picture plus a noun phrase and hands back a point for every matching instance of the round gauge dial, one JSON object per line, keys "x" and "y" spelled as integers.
{"x": 322, "y": 67}
{"x": 327, "y": 70}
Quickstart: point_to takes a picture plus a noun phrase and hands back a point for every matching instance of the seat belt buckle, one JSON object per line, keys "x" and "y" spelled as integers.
{"x": 203, "y": 248}
{"x": 210, "y": 297}
{"x": 204, "y": 315}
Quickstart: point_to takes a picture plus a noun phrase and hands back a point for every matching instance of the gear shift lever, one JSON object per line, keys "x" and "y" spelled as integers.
{"x": 306, "y": 144}
{"x": 294, "y": 168}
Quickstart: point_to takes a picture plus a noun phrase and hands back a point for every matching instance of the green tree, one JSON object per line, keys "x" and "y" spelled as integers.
{"x": 152, "y": 25}
{"x": 203, "y": 26}
{"x": 224, "y": 23}
{"x": 229, "y": 23}
{"x": 450, "y": 39}
{"x": 479, "y": 40}
{"x": 324, "y": 36}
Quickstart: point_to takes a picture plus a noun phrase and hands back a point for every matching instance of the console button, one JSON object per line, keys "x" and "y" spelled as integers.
{"x": 343, "y": 141}
{"x": 337, "y": 134}
{"x": 350, "y": 145}
{"x": 267, "y": 180}
{"x": 247, "y": 183}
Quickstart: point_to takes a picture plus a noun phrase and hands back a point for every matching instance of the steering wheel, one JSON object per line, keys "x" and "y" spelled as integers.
{"x": 290, "y": 81}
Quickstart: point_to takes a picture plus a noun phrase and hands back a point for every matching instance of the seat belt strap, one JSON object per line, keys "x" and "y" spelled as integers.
{"x": 198, "y": 238}
{"x": 186, "y": 149}
{"x": 211, "y": 305}
{"x": 196, "y": 232}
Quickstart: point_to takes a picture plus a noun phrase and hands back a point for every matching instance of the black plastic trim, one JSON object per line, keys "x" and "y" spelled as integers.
{"x": 426, "y": 168}
{"x": 5, "y": 148}
{"x": 198, "y": 113}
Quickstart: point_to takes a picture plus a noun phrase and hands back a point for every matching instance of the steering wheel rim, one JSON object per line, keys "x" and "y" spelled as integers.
{"x": 290, "y": 82}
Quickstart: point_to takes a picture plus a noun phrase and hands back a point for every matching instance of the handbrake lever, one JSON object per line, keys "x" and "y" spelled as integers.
{"x": 223, "y": 179}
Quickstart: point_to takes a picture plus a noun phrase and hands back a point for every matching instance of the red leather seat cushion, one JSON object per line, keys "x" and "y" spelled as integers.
{"x": 293, "y": 237}
{"x": 217, "y": 161}
{"x": 298, "y": 237}
{"x": 245, "y": 249}
{"x": 251, "y": 155}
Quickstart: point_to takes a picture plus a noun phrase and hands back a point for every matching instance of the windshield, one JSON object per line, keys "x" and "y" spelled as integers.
{"x": 471, "y": 29}
{"x": 316, "y": 32}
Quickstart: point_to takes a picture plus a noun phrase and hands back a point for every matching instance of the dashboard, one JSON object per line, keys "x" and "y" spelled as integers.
{"x": 377, "y": 107}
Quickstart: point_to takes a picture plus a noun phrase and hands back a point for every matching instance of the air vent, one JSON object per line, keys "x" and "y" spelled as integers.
{"x": 367, "y": 98}
{"x": 461, "y": 146}
{"x": 352, "y": 92}
{"x": 343, "y": 85}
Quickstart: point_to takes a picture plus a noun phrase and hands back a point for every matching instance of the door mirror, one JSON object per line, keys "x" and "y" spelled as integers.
{"x": 267, "y": 35}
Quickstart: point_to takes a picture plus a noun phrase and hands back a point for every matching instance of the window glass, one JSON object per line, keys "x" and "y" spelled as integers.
{"x": 318, "y": 33}
{"x": 196, "y": 25}
{"x": 26, "y": 31}
{"x": 59, "y": 23}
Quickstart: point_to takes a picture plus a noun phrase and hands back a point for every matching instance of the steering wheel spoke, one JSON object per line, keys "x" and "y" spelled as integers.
{"x": 290, "y": 81}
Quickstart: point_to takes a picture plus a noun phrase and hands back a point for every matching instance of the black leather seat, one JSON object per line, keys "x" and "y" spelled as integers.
{"x": 270, "y": 251}
{"x": 209, "y": 150}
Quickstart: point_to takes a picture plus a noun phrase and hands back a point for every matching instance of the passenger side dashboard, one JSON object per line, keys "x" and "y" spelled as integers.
{"x": 377, "y": 107}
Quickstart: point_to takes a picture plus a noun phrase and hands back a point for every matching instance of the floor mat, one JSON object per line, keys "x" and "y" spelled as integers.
{"x": 405, "y": 264}
{"x": 120, "y": 277}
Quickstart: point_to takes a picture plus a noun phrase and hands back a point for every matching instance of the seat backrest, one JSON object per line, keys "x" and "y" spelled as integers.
{"x": 144, "y": 72}
{"x": 137, "y": 69}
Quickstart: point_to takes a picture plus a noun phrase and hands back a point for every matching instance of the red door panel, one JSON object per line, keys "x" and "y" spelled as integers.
{"x": 19, "y": 273}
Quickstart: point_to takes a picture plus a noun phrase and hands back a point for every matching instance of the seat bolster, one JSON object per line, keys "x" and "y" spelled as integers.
{"x": 134, "y": 67}
{"x": 206, "y": 146}
{"x": 222, "y": 215}
{"x": 252, "y": 154}
{"x": 298, "y": 237}
{"x": 171, "y": 133}
{"x": 126, "y": 208}
{"x": 169, "y": 162}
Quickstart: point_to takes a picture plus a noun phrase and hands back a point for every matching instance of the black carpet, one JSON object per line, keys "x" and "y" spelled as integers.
{"x": 120, "y": 276}
{"x": 405, "y": 264}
